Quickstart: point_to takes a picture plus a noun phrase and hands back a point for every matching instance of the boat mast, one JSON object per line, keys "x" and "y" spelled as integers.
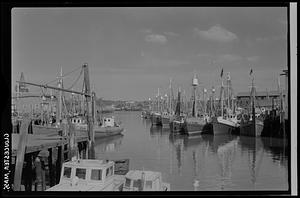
{"x": 228, "y": 94}
{"x": 213, "y": 100}
{"x": 253, "y": 107}
{"x": 59, "y": 98}
{"x": 170, "y": 97}
{"x": 204, "y": 101}
{"x": 222, "y": 87}
{"x": 195, "y": 84}
{"x": 90, "y": 121}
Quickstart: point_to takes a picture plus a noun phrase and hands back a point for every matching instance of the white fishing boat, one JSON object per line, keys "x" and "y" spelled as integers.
{"x": 89, "y": 175}
{"x": 137, "y": 180}
{"x": 108, "y": 128}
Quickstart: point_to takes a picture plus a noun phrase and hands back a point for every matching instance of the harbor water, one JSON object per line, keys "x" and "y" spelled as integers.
{"x": 201, "y": 163}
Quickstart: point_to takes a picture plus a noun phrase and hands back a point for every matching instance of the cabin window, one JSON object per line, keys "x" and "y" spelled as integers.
{"x": 96, "y": 174}
{"x": 104, "y": 120}
{"x": 127, "y": 182}
{"x": 80, "y": 173}
{"x": 149, "y": 184}
{"x": 109, "y": 171}
{"x": 67, "y": 172}
{"x": 136, "y": 183}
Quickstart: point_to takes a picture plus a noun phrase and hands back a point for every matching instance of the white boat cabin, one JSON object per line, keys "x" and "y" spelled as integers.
{"x": 108, "y": 122}
{"x": 88, "y": 175}
{"x": 165, "y": 114}
{"x": 137, "y": 180}
{"x": 79, "y": 123}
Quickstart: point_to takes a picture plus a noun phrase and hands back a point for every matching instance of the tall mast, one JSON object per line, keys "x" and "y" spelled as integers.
{"x": 204, "y": 101}
{"x": 228, "y": 90}
{"x": 253, "y": 106}
{"x": 170, "y": 97}
{"x": 195, "y": 84}
{"x": 158, "y": 101}
{"x": 59, "y": 98}
{"x": 222, "y": 87}
{"x": 90, "y": 121}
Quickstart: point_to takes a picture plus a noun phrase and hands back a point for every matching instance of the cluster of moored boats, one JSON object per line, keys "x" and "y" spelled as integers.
{"x": 221, "y": 118}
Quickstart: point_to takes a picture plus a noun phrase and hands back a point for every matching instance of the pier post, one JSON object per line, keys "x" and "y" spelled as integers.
{"x": 21, "y": 153}
{"x": 59, "y": 161}
{"x": 51, "y": 166}
{"x": 28, "y": 172}
{"x": 72, "y": 141}
{"x": 40, "y": 184}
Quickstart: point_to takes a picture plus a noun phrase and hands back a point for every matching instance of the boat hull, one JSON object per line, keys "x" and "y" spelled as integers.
{"x": 248, "y": 130}
{"x": 176, "y": 126}
{"x": 101, "y": 132}
{"x": 220, "y": 128}
{"x": 165, "y": 121}
{"x": 156, "y": 120}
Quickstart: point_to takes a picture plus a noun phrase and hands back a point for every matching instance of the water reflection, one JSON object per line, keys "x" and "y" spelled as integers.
{"x": 277, "y": 147}
{"x": 205, "y": 162}
{"x": 108, "y": 144}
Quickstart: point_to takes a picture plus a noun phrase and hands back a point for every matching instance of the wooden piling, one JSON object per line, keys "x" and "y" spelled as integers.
{"x": 40, "y": 182}
{"x": 20, "y": 154}
{"x": 72, "y": 141}
{"x": 50, "y": 166}
{"x": 28, "y": 172}
{"x": 59, "y": 161}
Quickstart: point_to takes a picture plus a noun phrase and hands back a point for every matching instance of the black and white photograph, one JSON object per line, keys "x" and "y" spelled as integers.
{"x": 159, "y": 98}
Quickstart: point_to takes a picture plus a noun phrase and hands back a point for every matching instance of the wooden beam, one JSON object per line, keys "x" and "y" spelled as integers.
{"x": 56, "y": 88}
{"x": 20, "y": 154}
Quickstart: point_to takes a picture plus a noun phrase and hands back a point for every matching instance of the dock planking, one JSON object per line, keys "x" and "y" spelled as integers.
{"x": 41, "y": 142}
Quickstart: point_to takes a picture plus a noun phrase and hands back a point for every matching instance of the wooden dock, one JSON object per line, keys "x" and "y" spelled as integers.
{"x": 37, "y": 159}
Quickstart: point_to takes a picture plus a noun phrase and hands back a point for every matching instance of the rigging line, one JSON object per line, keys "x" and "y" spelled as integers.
{"x": 76, "y": 80}
{"x": 64, "y": 75}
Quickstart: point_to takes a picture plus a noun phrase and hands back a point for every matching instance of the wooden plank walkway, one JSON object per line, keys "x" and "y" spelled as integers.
{"x": 42, "y": 142}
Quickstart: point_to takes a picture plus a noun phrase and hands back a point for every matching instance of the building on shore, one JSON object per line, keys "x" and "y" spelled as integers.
{"x": 266, "y": 99}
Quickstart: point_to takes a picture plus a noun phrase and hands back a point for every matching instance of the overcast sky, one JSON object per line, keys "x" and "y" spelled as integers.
{"x": 133, "y": 51}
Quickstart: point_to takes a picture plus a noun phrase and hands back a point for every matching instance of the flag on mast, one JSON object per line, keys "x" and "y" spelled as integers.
{"x": 222, "y": 73}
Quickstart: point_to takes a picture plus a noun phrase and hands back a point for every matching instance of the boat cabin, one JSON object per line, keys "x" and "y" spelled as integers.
{"x": 165, "y": 114}
{"x": 87, "y": 175}
{"x": 108, "y": 122}
{"x": 136, "y": 180}
{"x": 79, "y": 122}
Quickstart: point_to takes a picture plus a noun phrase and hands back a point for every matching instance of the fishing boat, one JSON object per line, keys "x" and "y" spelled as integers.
{"x": 156, "y": 118}
{"x": 195, "y": 125}
{"x": 138, "y": 180}
{"x": 177, "y": 123}
{"x": 108, "y": 128}
{"x": 254, "y": 125}
{"x": 89, "y": 175}
{"x": 226, "y": 124}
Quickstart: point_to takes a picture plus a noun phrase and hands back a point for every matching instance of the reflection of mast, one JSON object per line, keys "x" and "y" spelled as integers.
{"x": 226, "y": 154}
{"x": 179, "y": 150}
{"x": 253, "y": 169}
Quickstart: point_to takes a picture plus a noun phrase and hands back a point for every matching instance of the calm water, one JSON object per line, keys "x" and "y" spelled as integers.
{"x": 217, "y": 162}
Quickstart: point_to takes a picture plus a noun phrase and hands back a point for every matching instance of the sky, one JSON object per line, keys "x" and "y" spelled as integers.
{"x": 133, "y": 51}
